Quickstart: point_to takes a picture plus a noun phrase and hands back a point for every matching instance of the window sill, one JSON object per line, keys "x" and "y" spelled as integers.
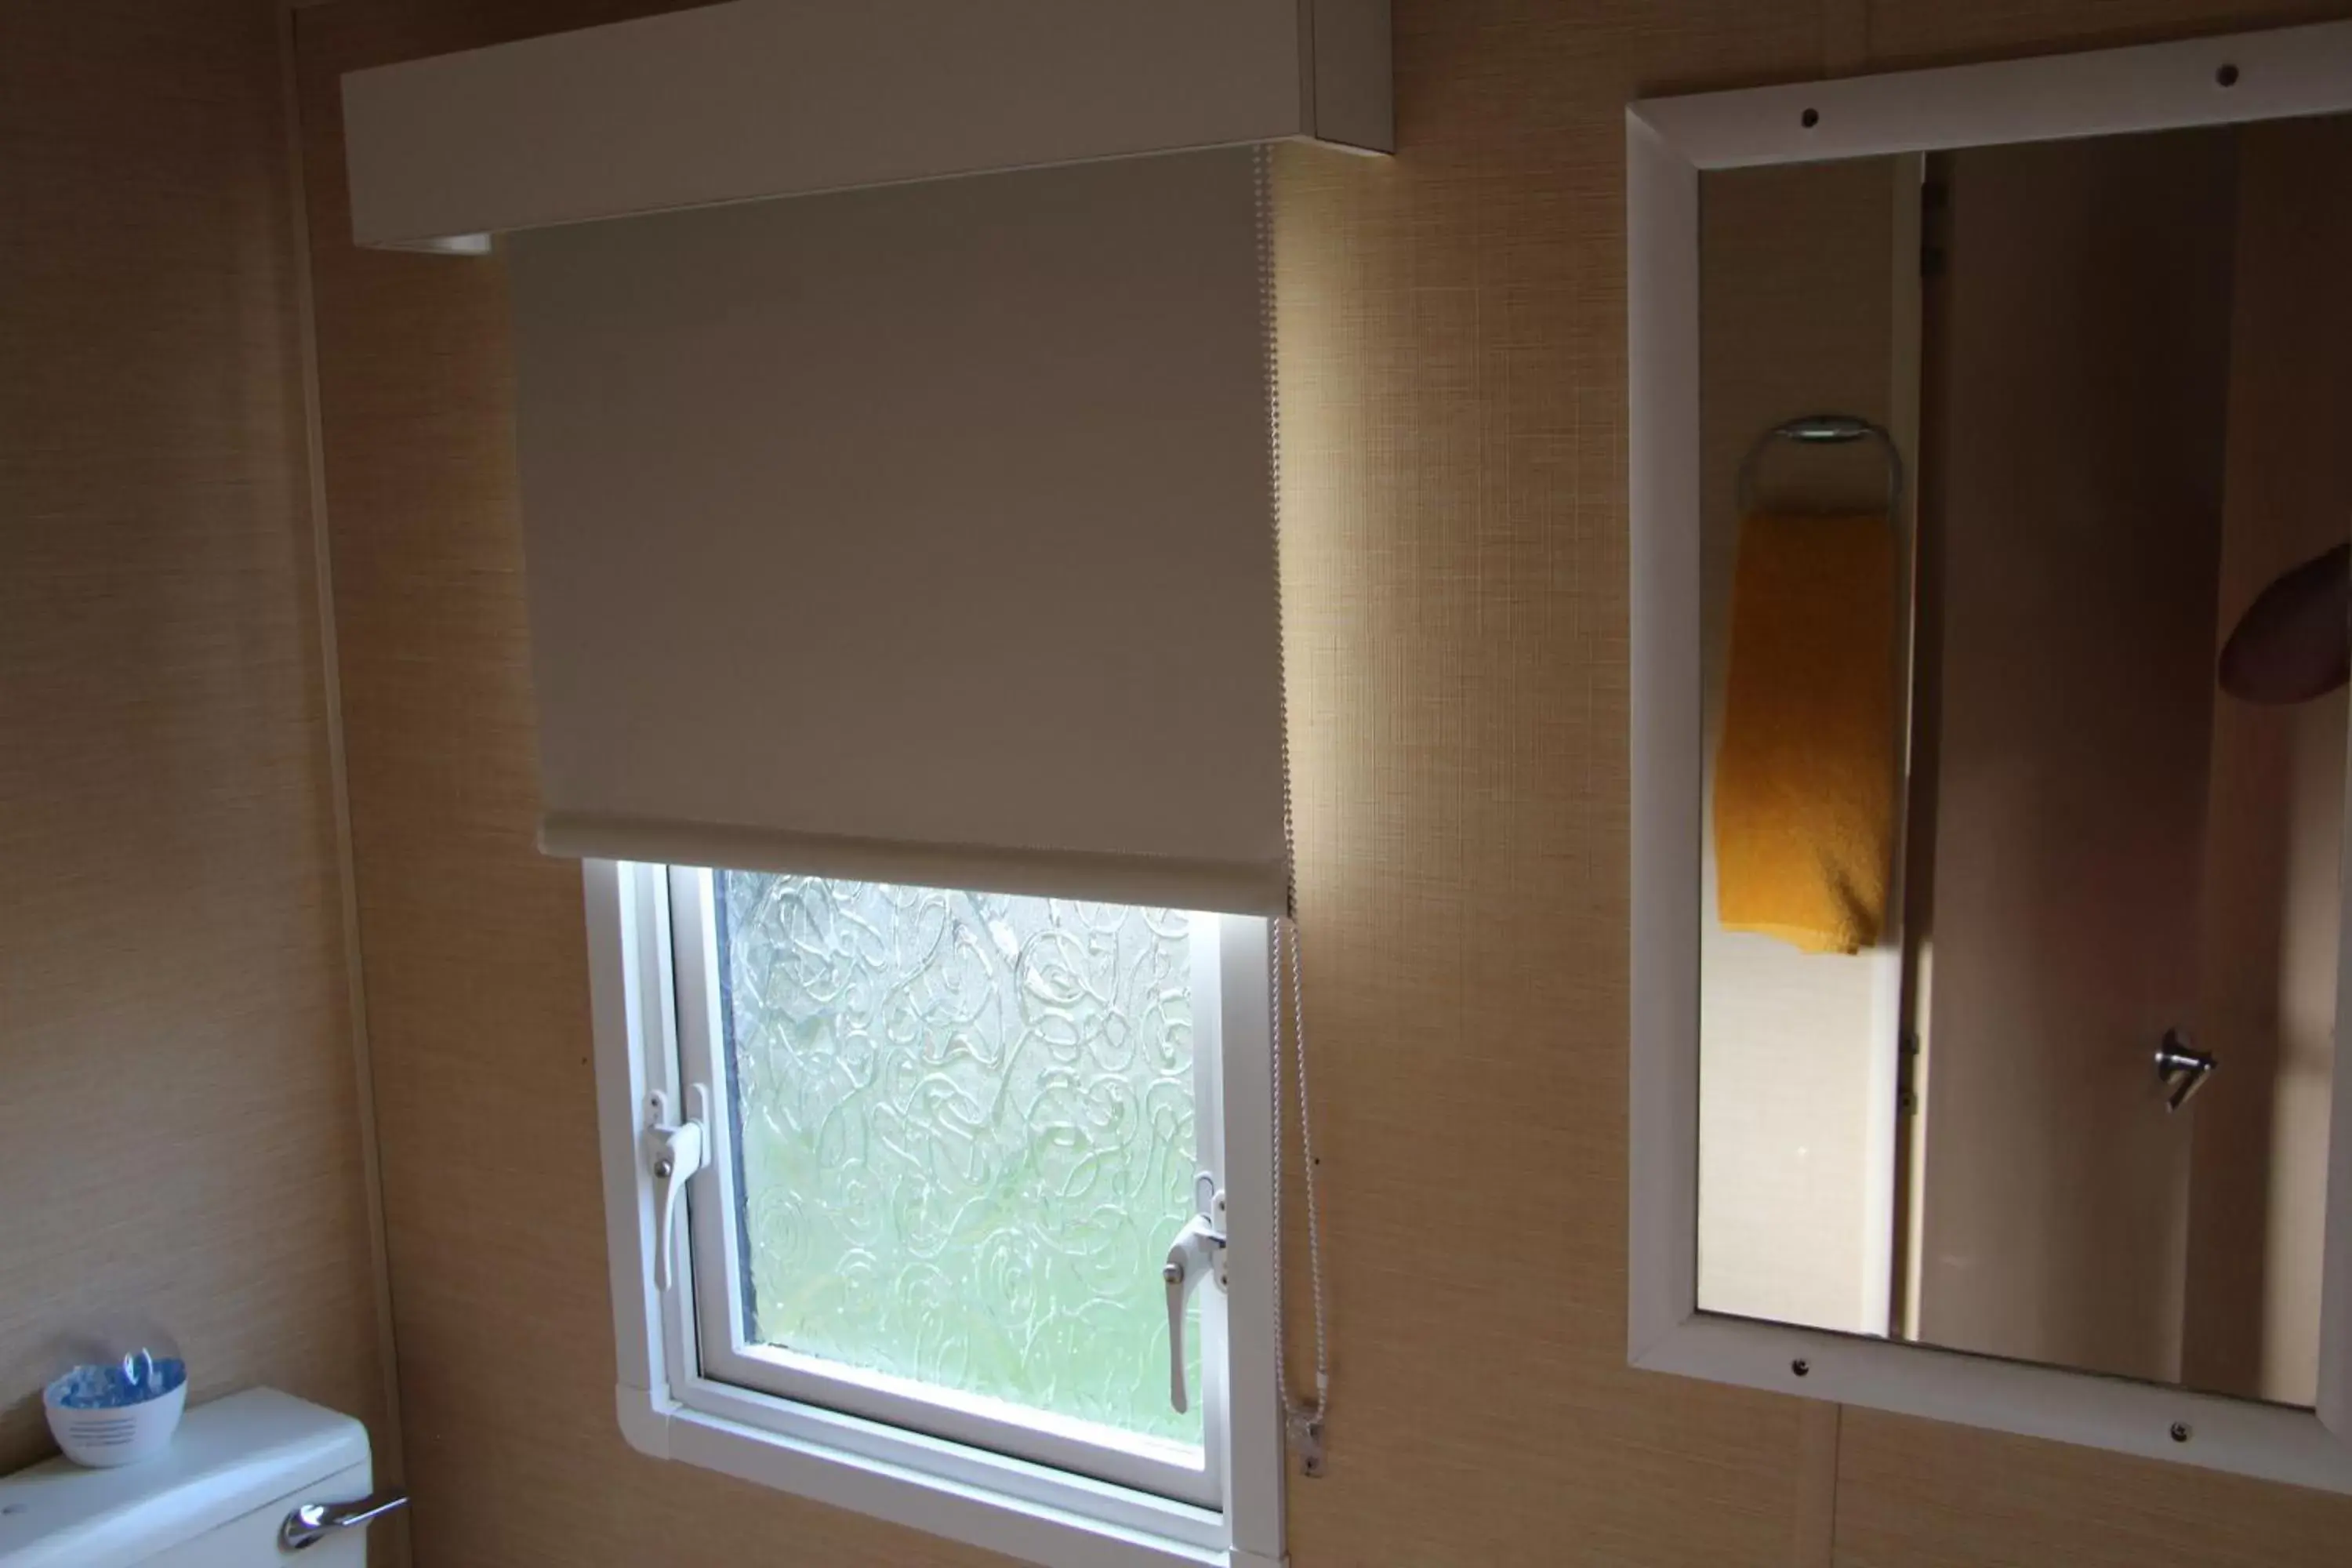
{"x": 966, "y": 1511}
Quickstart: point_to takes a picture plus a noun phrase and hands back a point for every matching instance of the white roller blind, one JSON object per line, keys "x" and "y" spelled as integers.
{"x": 921, "y": 535}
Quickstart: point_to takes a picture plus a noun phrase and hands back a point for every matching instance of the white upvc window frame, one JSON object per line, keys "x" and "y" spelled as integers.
{"x": 2289, "y": 72}
{"x": 1055, "y": 1493}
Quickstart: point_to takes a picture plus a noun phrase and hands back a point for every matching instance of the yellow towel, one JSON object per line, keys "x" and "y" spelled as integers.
{"x": 1804, "y": 778}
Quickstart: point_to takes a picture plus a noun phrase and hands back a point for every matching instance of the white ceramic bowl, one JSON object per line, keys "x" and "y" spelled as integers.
{"x": 109, "y": 1416}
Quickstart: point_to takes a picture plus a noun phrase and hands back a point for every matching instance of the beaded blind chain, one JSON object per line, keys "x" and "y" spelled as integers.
{"x": 1302, "y": 1419}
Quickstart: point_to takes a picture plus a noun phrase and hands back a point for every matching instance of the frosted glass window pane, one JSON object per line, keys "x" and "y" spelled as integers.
{"x": 966, "y": 1136}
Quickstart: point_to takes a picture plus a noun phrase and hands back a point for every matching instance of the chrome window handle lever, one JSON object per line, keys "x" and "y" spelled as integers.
{"x": 1198, "y": 1253}
{"x": 678, "y": 1151}
{"x": 315, "y": 1522}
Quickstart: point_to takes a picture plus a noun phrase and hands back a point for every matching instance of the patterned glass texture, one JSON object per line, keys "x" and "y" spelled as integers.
{"x": 966, "y": 1137}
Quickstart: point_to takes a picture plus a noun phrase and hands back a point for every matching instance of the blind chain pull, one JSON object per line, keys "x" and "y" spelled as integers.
{"x": 1302, "y": 1420}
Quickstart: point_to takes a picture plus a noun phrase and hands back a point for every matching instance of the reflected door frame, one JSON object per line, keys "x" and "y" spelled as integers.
{"x": 2286, "y": 73}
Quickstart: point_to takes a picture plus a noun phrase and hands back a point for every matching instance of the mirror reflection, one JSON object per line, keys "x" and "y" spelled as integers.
{"x": 2027, "y": 492}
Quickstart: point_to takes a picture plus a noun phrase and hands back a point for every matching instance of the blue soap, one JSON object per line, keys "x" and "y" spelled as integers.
{"x": 134, "y": 1380}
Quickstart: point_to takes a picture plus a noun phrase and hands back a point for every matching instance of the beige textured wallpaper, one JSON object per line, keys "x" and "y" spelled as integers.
{"x": 178, "y": 1125}
{"x": 1453, "y": 347}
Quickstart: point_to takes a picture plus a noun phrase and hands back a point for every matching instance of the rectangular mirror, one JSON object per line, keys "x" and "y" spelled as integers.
{"x": 1992, "y": 507}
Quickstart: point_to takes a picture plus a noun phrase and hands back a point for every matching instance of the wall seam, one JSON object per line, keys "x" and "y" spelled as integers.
{"x": 1814, "y": 1540}
{"x": 389, "y": 1462}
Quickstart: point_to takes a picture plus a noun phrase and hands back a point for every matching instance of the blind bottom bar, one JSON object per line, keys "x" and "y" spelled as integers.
{"x": 1150, "y": 880}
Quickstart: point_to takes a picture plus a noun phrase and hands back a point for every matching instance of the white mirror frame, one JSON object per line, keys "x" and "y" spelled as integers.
{"x": 2286, "y": 73}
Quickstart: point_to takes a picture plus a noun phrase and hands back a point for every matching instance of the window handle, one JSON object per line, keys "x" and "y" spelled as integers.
{"x": 676, "y": 1150}
{"x": 1198, "y": 1253}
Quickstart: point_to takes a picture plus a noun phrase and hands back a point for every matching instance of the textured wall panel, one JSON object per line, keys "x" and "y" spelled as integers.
{"x": 178, "y": 1126}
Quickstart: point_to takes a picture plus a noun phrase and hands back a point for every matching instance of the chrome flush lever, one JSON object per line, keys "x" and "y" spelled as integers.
{"x": 677, "y": 1151}
{"x": 2181, "y": 1067}
{"x": 1199, "y": 1252}
{"x": 315, "y": 1522}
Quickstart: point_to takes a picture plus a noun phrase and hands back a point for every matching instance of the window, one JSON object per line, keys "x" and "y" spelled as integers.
{"x": 896, "y": 1178}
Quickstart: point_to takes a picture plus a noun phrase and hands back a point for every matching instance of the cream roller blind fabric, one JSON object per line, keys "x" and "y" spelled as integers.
{"x": 921, "y": 535}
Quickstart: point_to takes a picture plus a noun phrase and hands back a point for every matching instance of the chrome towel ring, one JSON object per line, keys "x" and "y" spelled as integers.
{"x": 1820, "y": 430}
